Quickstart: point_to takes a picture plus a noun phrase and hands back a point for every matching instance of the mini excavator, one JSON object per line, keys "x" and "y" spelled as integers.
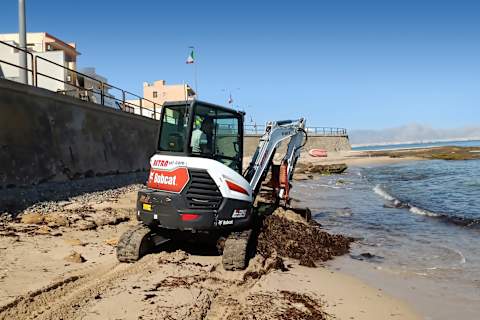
{"x": 196, "y": 188}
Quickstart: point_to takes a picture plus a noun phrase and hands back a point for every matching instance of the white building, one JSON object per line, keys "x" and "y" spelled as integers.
{"x": 54, "y": 56}
{"x": 47, "y": 47}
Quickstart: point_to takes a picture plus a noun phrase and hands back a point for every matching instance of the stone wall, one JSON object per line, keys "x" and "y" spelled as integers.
{"x": 45, "y": 136}
{"x": 320, "y": 142}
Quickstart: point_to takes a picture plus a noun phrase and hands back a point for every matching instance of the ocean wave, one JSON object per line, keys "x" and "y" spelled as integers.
{"x": 378, "y": 190}
{"x": 329, "y": 186}
{"x": 422, "y": 212}
{"x": 452, "y": 219}
{"x": 463, "y": 260}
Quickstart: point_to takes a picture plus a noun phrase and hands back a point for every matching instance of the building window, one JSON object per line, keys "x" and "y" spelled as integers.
{"x": 155, "y": 94}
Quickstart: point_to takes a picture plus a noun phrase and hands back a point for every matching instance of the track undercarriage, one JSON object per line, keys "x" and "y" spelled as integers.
{"x": 236, "y": 247}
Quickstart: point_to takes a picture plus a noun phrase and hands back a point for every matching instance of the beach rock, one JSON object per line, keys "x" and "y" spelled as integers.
{"x": 367, "y": 256}
{"x": 56, "y": 220}
{"x": 328, "y": 168}
{"x": 32, "y": 218}
{"x": 302, "y": 176}
{"x": 75, "y": 242}
{"x": 84, "y": 225}
{"x": 101, "y": 221}
{"x": 306, "y": 170}
{"x": 75, "y": 257}
{"x": 43, "y": 230}
{"x": 112, "y": 242}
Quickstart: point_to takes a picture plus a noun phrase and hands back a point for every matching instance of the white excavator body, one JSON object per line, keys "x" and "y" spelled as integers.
{"x": 196, "y": 184}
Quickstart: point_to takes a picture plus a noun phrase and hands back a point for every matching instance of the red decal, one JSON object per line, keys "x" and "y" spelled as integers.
{"x": 171, "y": 181}
{"x": 235, "y": 187}
{"x": 160, "y": 163}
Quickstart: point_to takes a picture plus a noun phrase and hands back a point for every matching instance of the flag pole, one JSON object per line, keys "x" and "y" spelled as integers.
{"x": 195, "y": 74}
{"x": 196, "y": 78}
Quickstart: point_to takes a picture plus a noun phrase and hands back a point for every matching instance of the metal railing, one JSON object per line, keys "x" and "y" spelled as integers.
{"x": 15, "y": 65}
{"x": 111, "y": 96}
{"x": 255, "y": 129}
{"x": 74, "y": 85}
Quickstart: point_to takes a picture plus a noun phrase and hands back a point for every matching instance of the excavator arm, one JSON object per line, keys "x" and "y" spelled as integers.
{"x": 275, "y": 133}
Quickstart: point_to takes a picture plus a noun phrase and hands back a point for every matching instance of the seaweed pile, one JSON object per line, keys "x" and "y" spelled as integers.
{"x": 298, "y": 239}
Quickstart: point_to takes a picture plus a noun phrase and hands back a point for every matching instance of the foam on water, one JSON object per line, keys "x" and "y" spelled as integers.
{"x": 378, "y": 190}
{"x": 422, "y": 212}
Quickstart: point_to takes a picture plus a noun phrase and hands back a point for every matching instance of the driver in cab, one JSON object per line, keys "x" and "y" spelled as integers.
{"x": 202, "y": 137}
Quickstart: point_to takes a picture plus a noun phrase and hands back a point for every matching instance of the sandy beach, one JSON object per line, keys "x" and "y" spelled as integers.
{"x": 60, "y": 269}
{"x": 355, "y": 158}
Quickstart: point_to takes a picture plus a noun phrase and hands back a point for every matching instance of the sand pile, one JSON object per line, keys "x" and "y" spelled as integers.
{"x": 299, "y": 239}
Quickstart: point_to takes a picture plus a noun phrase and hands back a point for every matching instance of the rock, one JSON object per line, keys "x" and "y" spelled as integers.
{"x": 32, "y": 218}
{"x": 301, "y": 176}
{"x": 56, "y": 220}
{"x": 112, "y": 242}
{"x": 43, "y": 230}
{"x": 336, "y": 168}
{"x": 75, "y": 257}
{"x": 76, "y": 242}
{"x": 101, "y": 221}
{"x": 85, "y": 225}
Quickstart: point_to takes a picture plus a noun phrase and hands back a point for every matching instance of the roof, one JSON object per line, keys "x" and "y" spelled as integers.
{"x": 191, "y": 102}
{"x": 67, "y": 47}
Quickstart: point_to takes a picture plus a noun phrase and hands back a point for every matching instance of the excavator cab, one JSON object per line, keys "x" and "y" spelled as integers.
{"x": 200, "y": 129}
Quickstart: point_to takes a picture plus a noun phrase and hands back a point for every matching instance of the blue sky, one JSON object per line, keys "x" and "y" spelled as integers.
{"x": 355, "y": 64}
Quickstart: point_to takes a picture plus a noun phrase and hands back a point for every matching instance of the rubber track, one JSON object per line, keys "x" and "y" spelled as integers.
{"x": 134, "y": 244}
{"x": 235, "y": 251}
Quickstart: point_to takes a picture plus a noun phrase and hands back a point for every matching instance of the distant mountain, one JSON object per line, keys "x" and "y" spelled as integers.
{"x": 412, "y": 133}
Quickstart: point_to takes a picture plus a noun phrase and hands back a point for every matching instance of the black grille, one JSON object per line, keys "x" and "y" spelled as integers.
{"x": 202, "y": 192}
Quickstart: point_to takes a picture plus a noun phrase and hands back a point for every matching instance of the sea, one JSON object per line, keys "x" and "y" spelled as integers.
{"x": 466, "y": 143}
{"x": 418, "y": 221}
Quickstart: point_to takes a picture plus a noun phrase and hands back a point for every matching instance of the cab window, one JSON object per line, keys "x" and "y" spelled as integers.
{"x": 215, "y": 134}
{"x": 173, "y": 127}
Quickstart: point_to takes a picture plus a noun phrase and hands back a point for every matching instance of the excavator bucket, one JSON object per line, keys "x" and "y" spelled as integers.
{"x": 303, "y": 212}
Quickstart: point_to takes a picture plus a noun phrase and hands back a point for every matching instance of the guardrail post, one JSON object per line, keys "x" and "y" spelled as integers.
{"x": 154, "y": 111}
{"x": 141, "y": 111}
{"x": 123, "y": 101}
{"x": 36, "y": 70}
{"x": 101, "y": 94}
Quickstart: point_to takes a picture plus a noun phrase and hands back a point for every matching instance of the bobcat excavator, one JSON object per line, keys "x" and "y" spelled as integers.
{"x": 196, "y": 189}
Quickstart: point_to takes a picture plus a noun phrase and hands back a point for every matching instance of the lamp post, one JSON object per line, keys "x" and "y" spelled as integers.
{"x": 22, "y": 36}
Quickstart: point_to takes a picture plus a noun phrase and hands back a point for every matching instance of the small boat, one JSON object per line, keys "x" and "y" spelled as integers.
{"x": 318, "y": 152}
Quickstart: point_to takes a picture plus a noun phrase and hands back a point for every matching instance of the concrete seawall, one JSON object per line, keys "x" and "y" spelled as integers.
{"x": 329, "y": 143}
{"x": 47, "y": 137}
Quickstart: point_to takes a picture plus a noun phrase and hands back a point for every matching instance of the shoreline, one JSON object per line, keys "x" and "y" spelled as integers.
{"x": 434, "y": 297}
{"x": 355, "y": 159}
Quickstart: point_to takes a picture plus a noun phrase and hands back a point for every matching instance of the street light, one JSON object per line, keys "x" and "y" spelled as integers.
{"x": 22, "y": 36}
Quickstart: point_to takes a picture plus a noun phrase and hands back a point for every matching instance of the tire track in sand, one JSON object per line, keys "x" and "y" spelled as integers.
{"x": 69, "y": 297}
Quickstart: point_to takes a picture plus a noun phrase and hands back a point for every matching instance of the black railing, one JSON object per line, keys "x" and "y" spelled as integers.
{"x": 109, "y": 95}
{"x": 254, "y": 129}
{"x": 30, "y": 69}
{"x": 74, "y": 82}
